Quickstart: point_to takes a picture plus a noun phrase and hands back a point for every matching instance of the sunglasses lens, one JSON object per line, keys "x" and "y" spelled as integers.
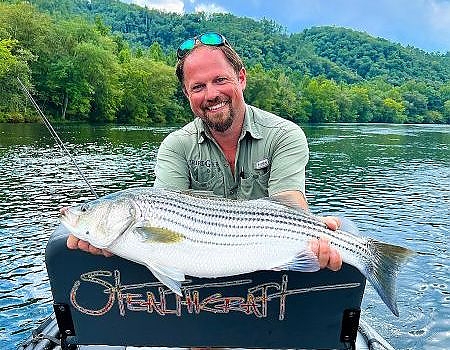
{"x": 185, "y": 47}
{"x": 211, "y": 39}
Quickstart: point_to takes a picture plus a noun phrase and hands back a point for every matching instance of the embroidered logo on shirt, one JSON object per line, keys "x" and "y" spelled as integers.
{"x": 208, "y": 163}
{"x": 261, "y": 164}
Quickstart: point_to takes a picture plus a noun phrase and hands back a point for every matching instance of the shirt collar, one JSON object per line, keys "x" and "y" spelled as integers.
{"x": 250, "y": 126}
{"x": 202, "y": 131}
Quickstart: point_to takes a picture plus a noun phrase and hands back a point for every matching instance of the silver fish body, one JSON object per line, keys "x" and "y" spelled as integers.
{"x": 176, "y": 234}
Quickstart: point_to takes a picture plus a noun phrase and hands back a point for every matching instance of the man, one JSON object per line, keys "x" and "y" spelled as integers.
{"x": 232, "y": 149}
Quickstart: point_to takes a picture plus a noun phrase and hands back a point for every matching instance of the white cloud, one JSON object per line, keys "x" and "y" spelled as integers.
{"x": 210, "y": 8}
{"x": 161, "y": 5}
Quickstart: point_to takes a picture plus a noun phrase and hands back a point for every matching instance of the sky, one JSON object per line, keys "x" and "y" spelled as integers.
{"x": 424, "y": 24}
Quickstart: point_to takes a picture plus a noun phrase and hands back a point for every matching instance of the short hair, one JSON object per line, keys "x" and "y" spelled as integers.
{"x": 230, "y": 54}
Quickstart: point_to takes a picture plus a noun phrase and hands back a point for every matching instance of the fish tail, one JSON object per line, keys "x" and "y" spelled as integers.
{"x": 383, "y": 273}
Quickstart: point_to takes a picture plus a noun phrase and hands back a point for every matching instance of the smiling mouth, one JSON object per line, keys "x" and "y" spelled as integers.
{"x": 216, "y": 106}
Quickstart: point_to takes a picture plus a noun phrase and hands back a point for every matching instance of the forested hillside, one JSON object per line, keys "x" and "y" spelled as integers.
{"x": 105, "y": 60}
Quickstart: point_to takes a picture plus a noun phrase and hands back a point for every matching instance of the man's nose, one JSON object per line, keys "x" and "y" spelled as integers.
{"x": 211, "y": 92}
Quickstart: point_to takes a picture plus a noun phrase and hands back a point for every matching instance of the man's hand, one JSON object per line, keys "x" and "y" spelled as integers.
{"x": 332, "y": 222}
{"x": 75, "y": 243}
{"x": 328, "y": 257}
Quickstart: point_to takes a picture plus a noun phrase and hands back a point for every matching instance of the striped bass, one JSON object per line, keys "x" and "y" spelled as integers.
{"x": 178, "y": 233}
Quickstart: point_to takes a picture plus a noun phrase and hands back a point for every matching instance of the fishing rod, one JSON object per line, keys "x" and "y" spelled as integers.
{"x": 55, "y": 135}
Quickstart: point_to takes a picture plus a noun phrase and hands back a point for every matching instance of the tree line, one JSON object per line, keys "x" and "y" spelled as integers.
{"x": 82, "y": 66}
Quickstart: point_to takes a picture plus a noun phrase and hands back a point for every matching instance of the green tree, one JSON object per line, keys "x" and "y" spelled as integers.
{"x": 393, "y": 111}
{"x": 149, "y": 93}
{"x": 287, "y": 99}
{"x": 81, "y": 80}
{"x": 156, "y": 53}
{"x": 446, "y": 112}
{"x": 415, "y": 105}
{"x": 321, "y": 95}
{"x": 99, "y": 71}
{"x": 101, "y": 27}
{"x": 13, "y": 65}
{"x": 260, "y": 87}
{"x": 360, "y": 102}
{"x": 433, "y": 117}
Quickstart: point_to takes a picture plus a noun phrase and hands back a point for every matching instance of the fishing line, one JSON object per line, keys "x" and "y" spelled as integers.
{"x": 55, "y": 135}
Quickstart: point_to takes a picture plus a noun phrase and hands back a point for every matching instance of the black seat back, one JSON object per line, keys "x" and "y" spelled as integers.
{"x": 113, "y": 301}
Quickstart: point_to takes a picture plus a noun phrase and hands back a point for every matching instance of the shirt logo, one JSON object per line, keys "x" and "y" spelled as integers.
{"x": 208, "y": 163}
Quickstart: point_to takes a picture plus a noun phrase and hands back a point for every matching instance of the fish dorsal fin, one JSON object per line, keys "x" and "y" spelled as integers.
{"x": 152, "y": 234}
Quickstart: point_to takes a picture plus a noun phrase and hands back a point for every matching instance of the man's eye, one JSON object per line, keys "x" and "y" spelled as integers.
{"x": 197, "y": 88}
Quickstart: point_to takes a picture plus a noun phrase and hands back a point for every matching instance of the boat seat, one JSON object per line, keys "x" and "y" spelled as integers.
{"x": 113, "y": 301}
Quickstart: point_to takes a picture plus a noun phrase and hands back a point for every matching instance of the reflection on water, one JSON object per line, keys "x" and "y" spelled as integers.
{"x": 393, "y": 181}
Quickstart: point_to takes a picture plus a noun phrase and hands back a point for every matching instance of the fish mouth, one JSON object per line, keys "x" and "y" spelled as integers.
{"x": 69, "y": 217}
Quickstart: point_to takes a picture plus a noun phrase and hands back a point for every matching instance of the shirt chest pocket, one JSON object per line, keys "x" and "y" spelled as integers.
{"x": 207, "y": 180}
{"x": 255, "y": 185}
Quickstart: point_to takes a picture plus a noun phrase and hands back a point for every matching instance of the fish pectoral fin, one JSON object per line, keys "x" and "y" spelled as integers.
{"x": 305, "y": 261}
{"x": 171, "y": 277}
{"x": 173, "y": 285}
{"x": 154, "y": 234}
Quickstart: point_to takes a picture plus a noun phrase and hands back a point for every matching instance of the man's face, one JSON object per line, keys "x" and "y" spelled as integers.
{"x": 214, "y": 90}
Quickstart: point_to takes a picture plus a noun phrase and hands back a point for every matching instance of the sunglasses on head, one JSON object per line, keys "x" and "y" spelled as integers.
{"x": 210, "y": 39}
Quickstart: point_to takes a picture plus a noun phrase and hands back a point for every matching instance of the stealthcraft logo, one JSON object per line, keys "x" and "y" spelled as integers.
{"x": 208, "y": 163}
{"x": 154, "y": 297}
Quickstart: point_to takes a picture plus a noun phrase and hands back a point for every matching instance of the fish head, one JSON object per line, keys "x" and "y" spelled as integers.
{"x": 99, "y": 222}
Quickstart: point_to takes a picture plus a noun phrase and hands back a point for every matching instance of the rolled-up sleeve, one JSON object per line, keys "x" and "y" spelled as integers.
{"x": 289, "y": 160}
{"x": 171, "y": 170}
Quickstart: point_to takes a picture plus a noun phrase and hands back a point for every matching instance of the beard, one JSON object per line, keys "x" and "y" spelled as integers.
{"x": 221, "y": 121}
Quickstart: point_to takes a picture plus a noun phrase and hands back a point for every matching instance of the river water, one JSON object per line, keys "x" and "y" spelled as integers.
{"x": 392, "y": 181}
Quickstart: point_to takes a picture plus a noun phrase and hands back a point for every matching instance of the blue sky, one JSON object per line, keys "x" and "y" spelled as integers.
{"x": 424, "y": 24}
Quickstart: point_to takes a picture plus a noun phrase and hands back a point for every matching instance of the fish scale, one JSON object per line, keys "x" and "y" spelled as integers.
{"x": 183, "y": 233}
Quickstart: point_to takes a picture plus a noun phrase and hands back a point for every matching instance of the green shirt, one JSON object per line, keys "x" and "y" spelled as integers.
{"x": 271, "y": 157}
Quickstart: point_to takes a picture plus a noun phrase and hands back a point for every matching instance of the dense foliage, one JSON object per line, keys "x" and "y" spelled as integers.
{"x": 106, "y": 61}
